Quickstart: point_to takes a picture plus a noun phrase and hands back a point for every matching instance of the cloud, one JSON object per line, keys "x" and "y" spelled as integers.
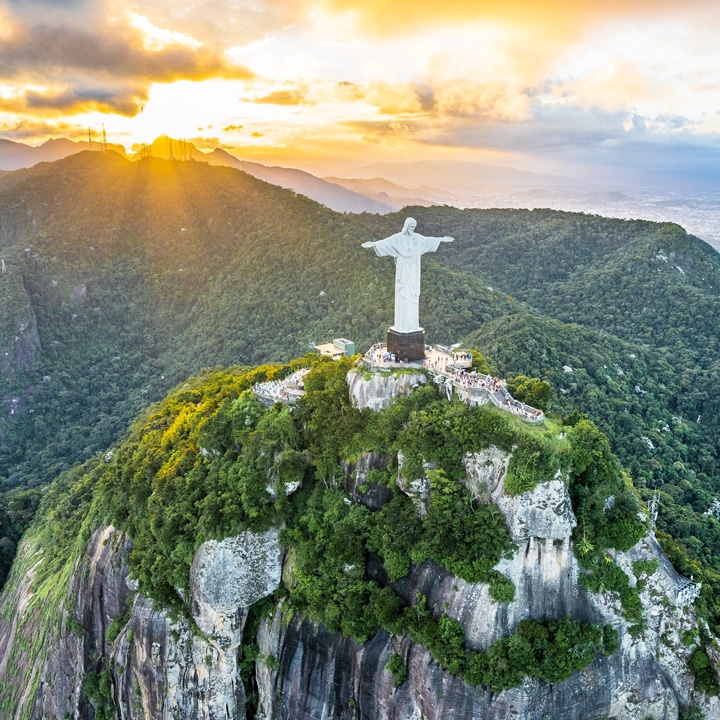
{"x": 74, "y": 100}
{"x": 34, "y": 5}
{"x": 546, "y": 130}
{"x": 205, "y": 143}
{"x": 29, "y": 129}
{"x": 481, "y": 102}
{"x": 49, "y": 8}
{"x": 549, "y": 17}
{"x": 283, "y": 97}
{"x": 616, "y": 146}
{"x": 401, "y": 98}
{"x": 546, "y": 77}
{"x": 463, "y": 98}
{"x": 71, "y": 65}
{"x": 377, "y": 131}
{"x": 387, "y": 98}
{"x": 224, "y": 22}
{"x": 42, "y": 48}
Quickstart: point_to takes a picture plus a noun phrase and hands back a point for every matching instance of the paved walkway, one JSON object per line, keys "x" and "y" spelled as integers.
{"x": 452, "y": 370}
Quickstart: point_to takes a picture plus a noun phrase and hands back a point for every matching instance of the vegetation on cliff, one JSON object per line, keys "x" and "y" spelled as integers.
{"x": 631, "y": 393}
{"x": 211, "y": 460}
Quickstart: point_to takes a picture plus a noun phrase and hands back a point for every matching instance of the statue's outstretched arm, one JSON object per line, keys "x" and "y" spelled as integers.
{"x": 447, "y": 238}
{"x": 388, "y": 246}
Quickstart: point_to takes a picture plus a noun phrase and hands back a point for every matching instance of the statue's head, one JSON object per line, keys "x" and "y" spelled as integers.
{"x": 409, "y": 226}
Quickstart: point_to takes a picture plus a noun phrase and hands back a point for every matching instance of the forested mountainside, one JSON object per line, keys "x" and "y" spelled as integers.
{"x": 124, "y": 278}
{"x": 430, "y": 558}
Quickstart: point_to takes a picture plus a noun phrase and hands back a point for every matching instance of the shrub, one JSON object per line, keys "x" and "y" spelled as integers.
{"x": 502, "y": 588}
{"x": 397, "y": 668}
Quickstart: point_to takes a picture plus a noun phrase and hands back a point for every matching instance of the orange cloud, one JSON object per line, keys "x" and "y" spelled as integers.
{"x": 284, "y": 97}
{"x": 107, "y": 65}
{"x": 70, "y": 101}
{"x": 394, "y": 98}
{"x": 483, "y": 102}
{"x": 400, "y": 98}
{"x": 31, "y": 129}
{"x": 557, "y": 17}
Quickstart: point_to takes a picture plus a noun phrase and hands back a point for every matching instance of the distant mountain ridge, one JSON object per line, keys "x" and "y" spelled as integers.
{"x": 378, "y": 188}
{"x": 391, "y": 193}
{"x": 15, "y": 156}
{"x": 384, "y": 187}
{"x": 461, "y": 175}
{"x": 332, "y": 195}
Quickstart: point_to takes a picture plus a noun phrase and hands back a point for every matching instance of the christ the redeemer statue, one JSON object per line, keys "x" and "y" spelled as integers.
{"x": 407, "y": 247}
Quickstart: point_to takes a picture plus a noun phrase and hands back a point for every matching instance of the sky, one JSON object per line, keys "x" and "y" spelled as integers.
{"x": 575, "y": 87}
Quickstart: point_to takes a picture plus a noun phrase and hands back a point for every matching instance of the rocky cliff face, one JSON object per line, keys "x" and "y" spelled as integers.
{"x": 161, "y": 668}
{"x": 46, "y": 649}
{"x": 321, "y": 675}
{"x": 19, "y": 337}
{"x": 379, "y": 389}
{"x": 167, "y": 669}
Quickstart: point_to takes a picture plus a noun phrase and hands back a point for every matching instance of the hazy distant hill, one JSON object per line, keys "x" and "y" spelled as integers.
{"x": 390, "y": 193}
{"x": 329, "y": 194}
{"x": 465, "y": 175}
{"x": 15, "y": 155}
{"x": 326, "y": 193}
{"x": 332, "y": 195}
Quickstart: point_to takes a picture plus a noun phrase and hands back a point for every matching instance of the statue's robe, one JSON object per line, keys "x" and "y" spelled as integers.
{"x": 407, "y": 249}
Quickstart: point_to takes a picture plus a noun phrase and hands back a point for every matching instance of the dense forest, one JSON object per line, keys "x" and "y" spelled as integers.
{"x": 125, "y": 278}
{"x": 197, "y": 466}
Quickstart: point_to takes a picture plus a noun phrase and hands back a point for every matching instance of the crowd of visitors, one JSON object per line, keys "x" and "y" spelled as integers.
{"x": 441, "y": 361}
{"x": 379, "y": 355}
{"x": 455, "y": 366}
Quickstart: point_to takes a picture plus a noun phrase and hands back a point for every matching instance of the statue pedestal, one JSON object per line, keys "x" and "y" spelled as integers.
{"x": 408, "y": 346}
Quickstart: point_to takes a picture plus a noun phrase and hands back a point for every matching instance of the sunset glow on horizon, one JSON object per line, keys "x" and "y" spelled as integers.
{"x": 546, "y": 86}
